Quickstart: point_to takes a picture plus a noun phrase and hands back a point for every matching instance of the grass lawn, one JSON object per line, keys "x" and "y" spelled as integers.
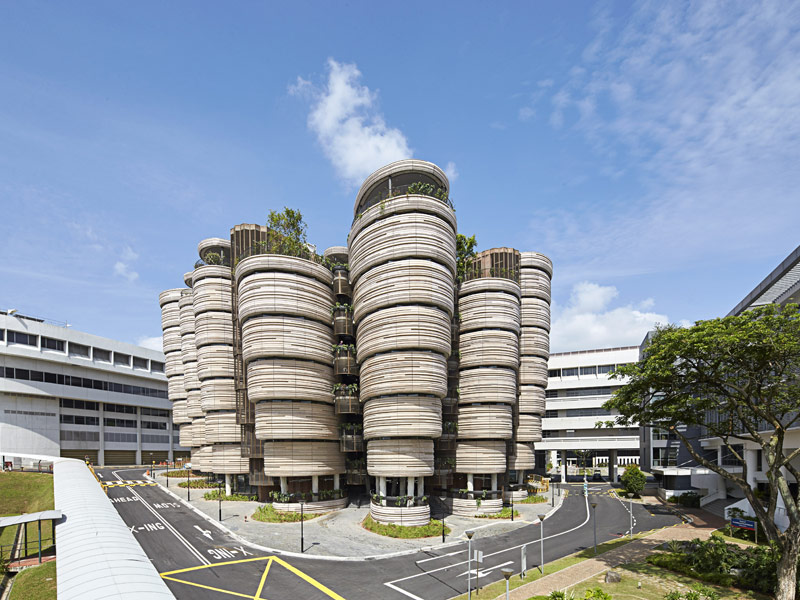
{"x": 268, "y": 514}
{"x": 503, "y": 514}
{"x": 200, "y": 484}
{"x": 26, "y": 493}
{"x": 656, "y": 582}
{"x": 36, "y": 583}
{"x": 735, "y": 540}
{"x": 532, "y": 500}
{"x": 178, "y": 474}
{"x": 214, "y": 495}
{"x": 434, "y": 528}
{"x": 495, "y": 589}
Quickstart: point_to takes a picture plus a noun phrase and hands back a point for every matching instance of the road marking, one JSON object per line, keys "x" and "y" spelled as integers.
{"x": 410, "y": 595}
{"x": 442, "y": 556}
{"x": 325, "y": 590}
{"x": 486, "y": 571}
{"x": 263, "y": 579}
{"x": 174, "y": 531}
{"x": 205, "y": 532}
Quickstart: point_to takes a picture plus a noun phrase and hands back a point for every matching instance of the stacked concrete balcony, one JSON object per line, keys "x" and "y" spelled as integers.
{"x": 489, "y": 313}
{"x": 212, "y": 306}
{"x": 169, "y": 300}
{"x": 536, "y": 273}
{"x": 285, "y": 305}
{"x": 402, "y": 267}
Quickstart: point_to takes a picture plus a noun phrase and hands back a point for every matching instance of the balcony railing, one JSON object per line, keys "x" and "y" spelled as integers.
{"x": 351, "y": 442}
{"x": 399, "y": 501}
{"x": 341, "y": 281}
{"x": 418, "y": 188}
{"x": 347, "y": 404}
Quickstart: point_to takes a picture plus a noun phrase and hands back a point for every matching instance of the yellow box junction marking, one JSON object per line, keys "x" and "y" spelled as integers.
{"x": 270, "y": 559}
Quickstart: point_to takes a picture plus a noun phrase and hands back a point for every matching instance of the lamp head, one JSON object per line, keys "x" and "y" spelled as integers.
{"x": 594, "y": 504}
{"x": 541, "y": 517}
{"x": 469, "y": 533}
{"x": 630, "y": 494}
{"x": 507, "y": 573}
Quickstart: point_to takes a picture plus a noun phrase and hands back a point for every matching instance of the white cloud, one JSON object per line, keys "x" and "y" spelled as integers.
{"x": 589, "y": 320}
{"x": 451, "y": 171}
{"x": 153, "y": 343}
{"x": 345, "y": 118}
{"x": 698, "y": 106}
{"x": 526, "y": 113}
{"x": 128, "y": 254}
{"x": 123, "y": 270}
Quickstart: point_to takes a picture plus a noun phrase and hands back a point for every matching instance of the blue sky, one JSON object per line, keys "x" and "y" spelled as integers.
{"x": 651, "y": 150}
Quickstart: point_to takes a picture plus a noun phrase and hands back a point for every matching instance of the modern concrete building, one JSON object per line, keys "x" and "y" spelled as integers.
{"x": 73, "y": 394}
{"x": 576, "y": 429}
{"x": 677, "y": 471}
{"x": 371, "y": 366}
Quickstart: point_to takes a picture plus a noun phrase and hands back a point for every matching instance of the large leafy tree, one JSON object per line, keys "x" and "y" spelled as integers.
{"x": 738, "y": 378}
{"x": 287, "y": 233}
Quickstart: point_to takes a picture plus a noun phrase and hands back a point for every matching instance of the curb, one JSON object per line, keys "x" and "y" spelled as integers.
{"x": 373, "y": 557}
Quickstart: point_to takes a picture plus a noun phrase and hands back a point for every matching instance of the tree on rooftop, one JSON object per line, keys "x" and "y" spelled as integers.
{"x": 738, "y": 378}
{"x": 465, "y": 252}
{"x": 287, "y": 233}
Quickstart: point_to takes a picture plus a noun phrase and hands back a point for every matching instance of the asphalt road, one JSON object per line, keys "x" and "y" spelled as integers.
{"x": 200, "y": 561}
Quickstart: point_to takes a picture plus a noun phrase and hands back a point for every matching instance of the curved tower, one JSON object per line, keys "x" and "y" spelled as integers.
{"x": 402, "y": 266}
{"x": 285, "y": 307}
{"x": 536, "y": 272}
{"x": 489, "y": 326}
{"x": 212, "y": 309}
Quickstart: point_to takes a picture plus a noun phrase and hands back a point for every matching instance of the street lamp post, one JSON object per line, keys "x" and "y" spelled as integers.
{"x": 219, "y": 496}
{"x": 541, "y": 541}
{"x": 301, "y": 526}
{"x": 594, "y": 522}
{"x": 443, "y": 527}
{"x": 469, "y": 533}
{"x": 188, "y": 486}
{"x": 507, "y": 573}
{"x": 630, "y": 509}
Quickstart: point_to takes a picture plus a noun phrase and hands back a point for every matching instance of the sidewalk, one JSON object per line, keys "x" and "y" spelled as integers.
{"x": 339, "y": 533}
{"x": 703, "y": 525}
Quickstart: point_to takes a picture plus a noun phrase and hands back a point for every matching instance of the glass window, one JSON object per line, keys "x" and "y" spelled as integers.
{"x": 25, "y": 339}
{"x": 665, "y": 457}
{"x": 123, "y": 360}
{"x": 551, "y": 393}
{"x": 604, "y": 369}
{"x": 572, "y": 372}
{"x": 120, "y": 423}
{"x": 140, "y": 363}
{"x": 588, "y": 370}
{"x": 154, "y": 425}
{"x": 550, "y": 414}
{"x": 554, "y": 373}
{"x": 23, "y": 374}
{"x": 37, "y": 376}
{"x": 102, "y": 355}
{"x": 156, "y": 367}
{"x": 52, "y": 344}
{"x": 78, "y": 350}
{"x": 587, "y": 412}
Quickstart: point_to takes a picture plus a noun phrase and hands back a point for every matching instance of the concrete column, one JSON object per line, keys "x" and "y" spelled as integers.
{"x": 521, "y": 476}
{"x": 382, "y": 488}
{"x": 138, "y": 437}
{"x": 612, "y": 466}
{"x": 171, "y": 451}
{"x": 101, "y": 453}
{"x": 553, "y": 457}
{"x": 403, "y": 488}
{"x": 227, "y": 485}
{"x": 470, "y": 481}
{"x": 410, "y": 486}
{"x": 336, "y": 481}
{"x": 563, "y": 465}
{"x": 494, "y": 481}
{"x": 750, "y": 458}
{"x": 315, "y": 484}
{"x": 284, "y": 485}
{"x": 421, "y": 486}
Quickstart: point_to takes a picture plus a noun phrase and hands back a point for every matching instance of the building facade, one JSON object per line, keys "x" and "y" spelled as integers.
{"x": 68, "y": 393}
{"x": 576, "y": 430}
{"x": 388, "y": 365}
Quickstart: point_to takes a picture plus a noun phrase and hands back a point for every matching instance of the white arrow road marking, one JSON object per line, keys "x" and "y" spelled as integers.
{"x": 487, "y": 571}
{"x": 205, "y": 532}
{"x": 100, "y": 475}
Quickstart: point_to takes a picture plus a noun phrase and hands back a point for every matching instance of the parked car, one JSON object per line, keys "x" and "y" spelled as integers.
{"x": 596, "y": 475}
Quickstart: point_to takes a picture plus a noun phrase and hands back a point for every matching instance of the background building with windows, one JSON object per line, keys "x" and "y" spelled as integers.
{"x": 576, "y": 430}
{"x": 68, "y": 393}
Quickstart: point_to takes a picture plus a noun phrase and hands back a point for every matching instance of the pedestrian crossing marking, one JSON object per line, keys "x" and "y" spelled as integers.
{"x": 127, "y": 483}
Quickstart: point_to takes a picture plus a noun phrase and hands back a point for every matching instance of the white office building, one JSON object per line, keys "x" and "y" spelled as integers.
{"x": 73, "y": 394}
{"x": 576, "y": 430}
